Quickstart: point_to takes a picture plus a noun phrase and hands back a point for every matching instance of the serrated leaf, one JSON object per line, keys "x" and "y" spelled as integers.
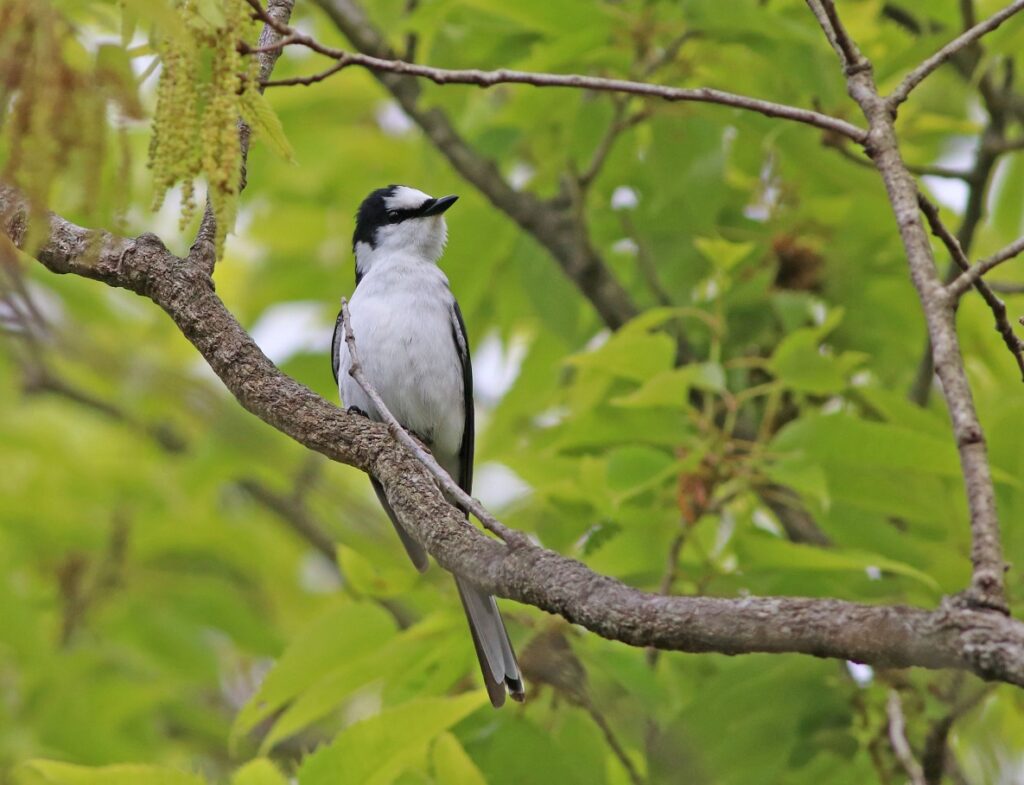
{"x": 452, "y": 765}
{"x": 414, "y": 648}
{"x": 376, "y": 751}
{"x": 346, "y": 630}
{"x": 262, "y": 118}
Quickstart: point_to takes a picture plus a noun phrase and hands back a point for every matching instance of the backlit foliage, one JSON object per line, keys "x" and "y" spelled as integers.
{"x": 200, "y": 97}
{"x": 56, "y": 96}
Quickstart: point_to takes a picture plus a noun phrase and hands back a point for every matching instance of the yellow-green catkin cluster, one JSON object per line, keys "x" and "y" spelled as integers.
{"x": 199, "y": 100}
{"x": 56, "y": 95}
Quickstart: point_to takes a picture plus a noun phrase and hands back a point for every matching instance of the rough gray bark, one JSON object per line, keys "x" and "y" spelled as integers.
{"x": 938, "y": 305}
{"x": 955, "y": 635}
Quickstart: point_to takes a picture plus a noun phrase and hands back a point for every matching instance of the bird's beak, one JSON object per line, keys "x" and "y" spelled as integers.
{"x": 438, "y": 206}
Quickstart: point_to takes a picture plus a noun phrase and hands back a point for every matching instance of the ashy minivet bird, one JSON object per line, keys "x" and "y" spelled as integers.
{"x": 412, "y": 345}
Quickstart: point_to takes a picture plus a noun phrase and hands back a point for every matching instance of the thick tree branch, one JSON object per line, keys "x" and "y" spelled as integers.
{"x": 918, "y": 75}
{"x": 986, "y": 549}
{"x": 956, "y": 635}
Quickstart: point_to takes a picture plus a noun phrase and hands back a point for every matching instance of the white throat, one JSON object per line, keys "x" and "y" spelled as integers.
{"x": 418, "y": 240}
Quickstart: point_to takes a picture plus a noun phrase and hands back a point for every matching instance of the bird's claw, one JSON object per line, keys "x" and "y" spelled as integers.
{"x": 356, "y": 410}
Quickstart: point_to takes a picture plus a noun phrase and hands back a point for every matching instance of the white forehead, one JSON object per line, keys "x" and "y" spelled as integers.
{"x": 405, "y": 198}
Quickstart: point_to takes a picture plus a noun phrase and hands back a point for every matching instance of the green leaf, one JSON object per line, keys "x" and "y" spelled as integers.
{"x": 799, "y": 363}
{"x": 262, "y": 118}
{"x": 840, "y": 439}
{"x": 766, "y": 552}
{"x": 452, "y": 765}
{"x": 630, "y": 355}
{"x": 376, "y": 751}
{"x": 373, "y": 580}
{"x": 801, "y": 475}
{"x": 722, "y": 253}
{"x": 414, "y": 650}
{"x": 260, "y": 771}
{"x": 345, "y": 631}
{"x": 48, "y": 772}
{"x": 671, "y": 388}
{"x": 668, "y": 388}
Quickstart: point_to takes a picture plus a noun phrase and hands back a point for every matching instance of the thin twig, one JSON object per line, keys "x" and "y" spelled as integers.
{"x": 448, "y": 485}
{"x": 987, "y": 588}
{"x": 481, "y": 78}
{"x": 1005, "y": 145}
{"x": 646, "y": 263}
{"x": 621, "y": 122}
{"x": 923, "y": 170}
{"x": 850, "y": 55}
{"x": 915, "y": 77}
{"x": 971, "y": 276}
{"x": 956, "y": 252}
{"x": 1006, "y": 287}
{"x": 898, "y": 739}
{"x": 294, "y": 513}
{"x": 668, "y": 54}
{"x": 613, "y": 742}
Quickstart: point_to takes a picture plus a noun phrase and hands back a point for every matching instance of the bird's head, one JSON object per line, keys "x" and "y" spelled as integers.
{"x": 399, "y": 220}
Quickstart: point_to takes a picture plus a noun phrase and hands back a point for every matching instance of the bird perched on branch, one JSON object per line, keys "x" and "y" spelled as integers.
{"x": 411, "y": 343}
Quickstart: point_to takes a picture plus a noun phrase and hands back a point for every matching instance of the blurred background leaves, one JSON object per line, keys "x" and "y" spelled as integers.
{"x": 184, "y": 590}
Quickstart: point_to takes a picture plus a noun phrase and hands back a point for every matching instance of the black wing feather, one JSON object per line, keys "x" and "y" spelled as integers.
{"x": 468, "y": 431}
{"x": 339, "y": 330}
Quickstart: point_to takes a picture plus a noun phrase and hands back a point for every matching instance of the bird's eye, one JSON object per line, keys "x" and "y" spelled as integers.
{"x": 392, "y": 215}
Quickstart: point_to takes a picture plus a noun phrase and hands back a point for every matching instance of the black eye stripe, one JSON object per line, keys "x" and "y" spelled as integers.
{"x": 397, "y": 216}
{"x": 374, "y": 214}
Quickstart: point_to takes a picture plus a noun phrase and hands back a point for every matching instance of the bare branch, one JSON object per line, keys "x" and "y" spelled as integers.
{"x": 621, "y": 122}
{"x": 918, "y": 75}
{"x": 1005, "y": 145}
{"x": 923, "y": 170}
{"x": 956, "y": 635}
{"x": 956, "y": 252}
{"x": 898, "y": 739}
{"x": 448, "y": 485}
{"x": 1006, "y": 287}
{"x": 986, "y": 588}
{"x": 473, "y": 76}
{"x": 971, "y": 275}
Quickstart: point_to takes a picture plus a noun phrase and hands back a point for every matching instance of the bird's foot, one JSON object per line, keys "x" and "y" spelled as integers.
{"x": 356, "y": 410}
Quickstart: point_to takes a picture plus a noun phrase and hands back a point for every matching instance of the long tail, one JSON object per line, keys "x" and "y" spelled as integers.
{"x": 493, "y": 648}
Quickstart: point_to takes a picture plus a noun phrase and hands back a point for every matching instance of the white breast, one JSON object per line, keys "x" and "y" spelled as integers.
{"x": 402, "y": 321}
